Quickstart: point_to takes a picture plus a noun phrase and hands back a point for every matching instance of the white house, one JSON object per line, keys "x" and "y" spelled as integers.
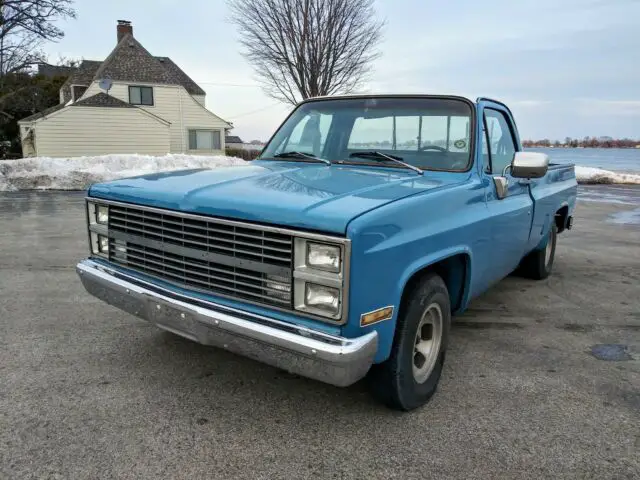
{"x": 151, "y": 107}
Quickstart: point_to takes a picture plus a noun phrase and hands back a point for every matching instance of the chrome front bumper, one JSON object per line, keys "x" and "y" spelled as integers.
{"x": 310, "y": 353}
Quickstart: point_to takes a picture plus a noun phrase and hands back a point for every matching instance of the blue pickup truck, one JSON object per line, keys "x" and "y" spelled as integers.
{"x": 342, "y": 251}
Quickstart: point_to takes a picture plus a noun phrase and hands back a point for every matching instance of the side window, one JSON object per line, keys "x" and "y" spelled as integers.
{"x": 501, "y": 144}
{"x": 486, "y": 163}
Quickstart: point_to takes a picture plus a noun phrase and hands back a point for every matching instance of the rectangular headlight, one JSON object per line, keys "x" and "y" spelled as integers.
{"x": 103, "y": 244}
{"x": 99, "y": 244}
{"x": 102, "y": 214}
{"x": 320, "y": 272}
{"x": 323, "y": 257}
{"x": 322, "y": 297}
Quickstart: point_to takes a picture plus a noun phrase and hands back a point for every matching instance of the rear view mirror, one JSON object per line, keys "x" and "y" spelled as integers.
{"x": 529, "y": 165}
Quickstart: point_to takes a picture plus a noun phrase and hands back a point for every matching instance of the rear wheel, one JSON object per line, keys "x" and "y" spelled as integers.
{"x": 539, "y": 263}
{"x": 409, "y": 378}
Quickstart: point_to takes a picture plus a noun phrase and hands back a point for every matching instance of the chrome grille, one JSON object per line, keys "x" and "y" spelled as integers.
{"x": 240, "y": 261}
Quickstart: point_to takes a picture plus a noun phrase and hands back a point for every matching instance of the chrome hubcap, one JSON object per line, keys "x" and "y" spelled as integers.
{"x": 548, "y": 249}
{"x": 427, "y": 343}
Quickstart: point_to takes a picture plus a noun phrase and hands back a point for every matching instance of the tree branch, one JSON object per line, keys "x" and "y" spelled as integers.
{"x": 305, "y": 48}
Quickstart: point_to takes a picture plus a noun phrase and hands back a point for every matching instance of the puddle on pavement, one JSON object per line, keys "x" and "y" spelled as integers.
{"x": 611, "y": 352}
{"x": 609, "y": 194}
{"x": 629, "y": 217}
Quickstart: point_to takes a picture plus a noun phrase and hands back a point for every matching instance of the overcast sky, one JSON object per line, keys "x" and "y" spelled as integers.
{"x": 566, "y": 67}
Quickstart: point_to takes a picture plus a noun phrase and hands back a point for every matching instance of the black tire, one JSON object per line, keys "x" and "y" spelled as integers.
{"x": 537, "y": 265}
{"x": 393, "y": 382}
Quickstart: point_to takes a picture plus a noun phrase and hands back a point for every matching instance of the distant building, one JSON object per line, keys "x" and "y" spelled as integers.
{"x": 132, "y": 102}
{"x": 51, "y": 71}
{"x": 233, "y": 141}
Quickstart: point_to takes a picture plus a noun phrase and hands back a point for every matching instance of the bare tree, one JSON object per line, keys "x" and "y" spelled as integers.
{"x": 24, "y": 25}
{"x": 306, "y": 48}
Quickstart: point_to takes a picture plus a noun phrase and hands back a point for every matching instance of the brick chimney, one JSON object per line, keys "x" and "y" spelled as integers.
{"x": 124, "y": 28}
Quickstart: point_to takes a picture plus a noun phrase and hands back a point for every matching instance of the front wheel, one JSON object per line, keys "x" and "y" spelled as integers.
{"x": 539, "y": 263}
{"x": 409, "y": 378}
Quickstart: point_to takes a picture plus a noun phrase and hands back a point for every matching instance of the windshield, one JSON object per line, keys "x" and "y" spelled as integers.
{"x": 429, "y": 133}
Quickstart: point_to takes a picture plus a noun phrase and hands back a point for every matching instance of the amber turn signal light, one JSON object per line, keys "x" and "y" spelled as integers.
{"x": 379, "y": 315}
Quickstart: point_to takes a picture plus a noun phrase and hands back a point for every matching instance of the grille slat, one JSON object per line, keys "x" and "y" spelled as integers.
{"x": 185, "y": 240}
{"x": 203, "y": 225}
{"x": 187, "y": 261}
{"x": 209, "y": 285}
{"x": 150, "y": 228}
{"x": 193, "y": 270}
{"x": 138, "y": 236}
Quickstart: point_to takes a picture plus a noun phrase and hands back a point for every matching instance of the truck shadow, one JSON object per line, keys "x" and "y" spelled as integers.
{"x": 233, "y": 377}
{"x": 215, "y": 379}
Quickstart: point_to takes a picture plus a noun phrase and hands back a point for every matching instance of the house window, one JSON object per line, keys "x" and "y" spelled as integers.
{"x": 141, "y": 96}
{"x": 204, "y": 140}
{"x": 77, "y": 91}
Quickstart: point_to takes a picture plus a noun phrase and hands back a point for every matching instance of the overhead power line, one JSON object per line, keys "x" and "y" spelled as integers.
{"x": 218, "y": 84}
{"x": 246, "y": 114}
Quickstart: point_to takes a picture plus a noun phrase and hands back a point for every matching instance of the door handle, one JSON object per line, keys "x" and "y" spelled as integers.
{"x": 502, "y": 187}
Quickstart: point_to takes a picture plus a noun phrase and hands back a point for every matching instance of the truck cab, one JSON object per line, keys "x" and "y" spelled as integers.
{"x": 345, "y": 249}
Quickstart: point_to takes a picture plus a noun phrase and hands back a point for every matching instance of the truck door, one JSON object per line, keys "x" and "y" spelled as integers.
{"x": 510, "y": 208}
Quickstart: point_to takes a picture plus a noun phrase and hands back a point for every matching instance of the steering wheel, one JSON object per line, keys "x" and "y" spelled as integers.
{"x": 432, "y": 147}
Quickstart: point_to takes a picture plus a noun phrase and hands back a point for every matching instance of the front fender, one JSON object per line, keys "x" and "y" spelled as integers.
{"x": 426, "y": 261}
{"x": 390, "y": 244}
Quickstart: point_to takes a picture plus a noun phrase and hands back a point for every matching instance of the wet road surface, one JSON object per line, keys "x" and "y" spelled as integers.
{"x": 87, "y": 391}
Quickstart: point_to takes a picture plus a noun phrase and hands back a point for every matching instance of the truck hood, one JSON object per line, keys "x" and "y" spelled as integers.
{"x": 301, "y": 195}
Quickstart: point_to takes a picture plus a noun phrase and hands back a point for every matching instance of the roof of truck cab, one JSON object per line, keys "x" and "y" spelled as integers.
{"x": 406, "y": 95}
{"x": 386, "y": 95}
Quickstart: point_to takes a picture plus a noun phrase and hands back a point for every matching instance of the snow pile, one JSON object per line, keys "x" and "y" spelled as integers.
{"x": 597, "y": 175}
{"x": 77, "y": 173}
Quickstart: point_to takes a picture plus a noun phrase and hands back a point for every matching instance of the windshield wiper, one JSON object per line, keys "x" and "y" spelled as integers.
{"x": 381, "y": 157}
{"x": 295, "y": 154}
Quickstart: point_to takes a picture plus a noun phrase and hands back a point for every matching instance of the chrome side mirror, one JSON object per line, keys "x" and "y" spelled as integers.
{"x": 529, "y": 165}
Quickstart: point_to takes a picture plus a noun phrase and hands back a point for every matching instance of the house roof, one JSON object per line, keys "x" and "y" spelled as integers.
{"x": 102, "y": 100}
{"x": 43, "y": 113}
{"x": 130, "y": 62}
{"x": 51, "y": 71}
{"x": 83, "y": 75}
{"x": 232, "y": 139}
{"x": 182, "y": 78}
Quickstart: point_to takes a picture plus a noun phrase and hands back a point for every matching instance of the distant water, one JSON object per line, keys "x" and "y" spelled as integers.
{"x": 616, "y": 159}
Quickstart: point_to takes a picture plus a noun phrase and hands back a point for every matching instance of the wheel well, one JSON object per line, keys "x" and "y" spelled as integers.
{"x": 453, "y": 270}
{"x": 561, "y": 218}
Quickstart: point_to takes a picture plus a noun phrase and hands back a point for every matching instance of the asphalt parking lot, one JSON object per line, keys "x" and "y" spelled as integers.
{"x": 89, "y": 392}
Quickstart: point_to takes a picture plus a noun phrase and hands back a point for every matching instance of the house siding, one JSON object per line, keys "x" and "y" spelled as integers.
{"x": 200, "y": 99}
{"x": 175, "y": 105}
{"x": 77, "y": 131}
